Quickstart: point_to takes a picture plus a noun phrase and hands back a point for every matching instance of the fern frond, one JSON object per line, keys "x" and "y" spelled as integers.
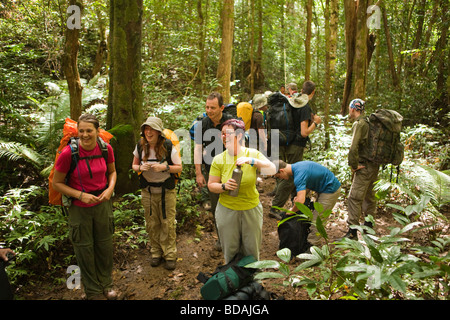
{"x": 15, "y": 151}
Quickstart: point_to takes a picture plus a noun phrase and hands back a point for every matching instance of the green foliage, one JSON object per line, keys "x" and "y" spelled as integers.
{"x": 35, "y": 232}
{"x": 375, "y": 267}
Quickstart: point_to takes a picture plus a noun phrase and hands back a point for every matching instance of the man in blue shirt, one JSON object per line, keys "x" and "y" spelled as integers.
{"x": 311, "y": 176}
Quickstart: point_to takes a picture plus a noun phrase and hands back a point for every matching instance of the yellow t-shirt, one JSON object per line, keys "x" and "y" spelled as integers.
{"x": 223, "y": 165}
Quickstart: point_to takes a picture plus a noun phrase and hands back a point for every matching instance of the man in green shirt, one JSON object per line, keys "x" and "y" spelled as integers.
{"x": 362, "y": 196}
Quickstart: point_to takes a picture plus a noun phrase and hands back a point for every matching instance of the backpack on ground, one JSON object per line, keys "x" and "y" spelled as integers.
{"x": 70, "y": 137}
{"x": 293, "y": 233}
{"x": 279, "y": 116}
{"x": 384, "y": 143}
{"x": 227, "y": 279}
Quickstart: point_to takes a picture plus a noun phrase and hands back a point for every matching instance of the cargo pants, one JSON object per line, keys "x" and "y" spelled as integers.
{"x": 327, "y": 200}
{"x": 161, "y": 231}
{"x": 90, "y": 231}
{"x": 361, "y": 199}
{"x": 240, "y": 231}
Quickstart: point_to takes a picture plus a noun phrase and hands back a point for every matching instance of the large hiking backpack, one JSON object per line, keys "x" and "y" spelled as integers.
{"x": 384, "y": 145}
{"x": 70, "y": 133}
{"x": 227, "y": 279}
{"x": 279, "y": 116}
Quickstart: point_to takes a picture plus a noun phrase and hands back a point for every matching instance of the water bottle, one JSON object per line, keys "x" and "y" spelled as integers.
{"x": 237, "y": 176}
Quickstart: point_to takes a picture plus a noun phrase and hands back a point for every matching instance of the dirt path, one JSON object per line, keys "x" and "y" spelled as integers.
{"x": 135, "y": 279}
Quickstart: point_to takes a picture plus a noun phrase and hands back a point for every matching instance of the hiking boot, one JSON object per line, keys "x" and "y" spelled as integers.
{"x": 156, "y": 262}
{"x": 170, "y": 264}
{"x": 274, "y": 213}
{"x": 110, "y": 294}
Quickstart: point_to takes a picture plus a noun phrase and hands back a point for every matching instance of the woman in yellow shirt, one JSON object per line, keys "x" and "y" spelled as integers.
{"x": 239, "y": 219}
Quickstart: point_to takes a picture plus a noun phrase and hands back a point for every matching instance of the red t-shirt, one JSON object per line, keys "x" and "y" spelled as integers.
{"x": 98, "y": 169}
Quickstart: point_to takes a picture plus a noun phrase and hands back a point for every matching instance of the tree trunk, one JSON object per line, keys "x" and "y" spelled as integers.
{"x": 70, "y": 67}
{"x": 126, "y": 87}
{"x": 102, "y": 47}
{"x": 226, "y": 49}
{"x": 309, "y": 5}
{"x": 331, "y": 28}
{"x": 350, "y": 37}
{"x": 202, "y": 18}
{"x": 360, "y": 62}
{"x": 394, "y": 76}
{"x": 251, "y": 47}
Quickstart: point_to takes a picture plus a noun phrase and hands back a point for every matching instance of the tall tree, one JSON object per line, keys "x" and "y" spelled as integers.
{"x": 387, "y": 33}
{"x": 350, "y": 41}
{"x": 226, "y": 49}
{"x": 331, "y": 31}
{"x": 309, "y": 6}
{"x": 125, "y": 104}
{"x": 361, "y": 62}
{"x": 70, "y": 62}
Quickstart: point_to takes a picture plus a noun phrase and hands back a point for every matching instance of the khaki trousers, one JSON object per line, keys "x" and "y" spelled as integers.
{"x": 362, "y": 196}
{"x": 327, "y": 200}
{"x": 239, "y": 231}
{"x": 162, "y": 232}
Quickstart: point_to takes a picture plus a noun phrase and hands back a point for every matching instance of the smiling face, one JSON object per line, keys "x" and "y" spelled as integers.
{"x": 230, "y": 138}
{"x": 88, "y": 135}
{"x": 151, "y": 135}
{"x": 213, "y": 110}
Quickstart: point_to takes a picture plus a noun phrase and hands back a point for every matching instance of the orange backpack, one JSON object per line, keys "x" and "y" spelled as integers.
{"x": 70, "y": 130}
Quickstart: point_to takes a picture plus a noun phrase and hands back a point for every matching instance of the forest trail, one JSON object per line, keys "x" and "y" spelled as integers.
{"x": 135, "y": 279}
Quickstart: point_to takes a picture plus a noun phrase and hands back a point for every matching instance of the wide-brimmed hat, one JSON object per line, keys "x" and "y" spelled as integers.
{"x": 154, "y": 123}
{"x": 298, "y": 101}
{"x": 259, "y": 101}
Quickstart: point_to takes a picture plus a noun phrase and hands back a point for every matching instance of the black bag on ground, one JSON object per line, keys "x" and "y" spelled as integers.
{"x": 293, "y": 233}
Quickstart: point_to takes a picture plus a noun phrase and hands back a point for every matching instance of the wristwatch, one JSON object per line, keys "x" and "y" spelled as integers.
{"x": 223, "y": 187}
{"x": 167, "y": 168}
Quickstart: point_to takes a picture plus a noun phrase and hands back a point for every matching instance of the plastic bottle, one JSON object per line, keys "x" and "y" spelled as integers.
{"x": 236, "y": 176}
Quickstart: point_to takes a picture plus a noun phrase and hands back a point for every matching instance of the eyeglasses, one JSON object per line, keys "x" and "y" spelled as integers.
{"x": 228, "y": 133}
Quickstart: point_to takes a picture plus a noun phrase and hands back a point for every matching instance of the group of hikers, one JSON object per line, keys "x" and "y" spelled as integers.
{"x": 238, "y": 218}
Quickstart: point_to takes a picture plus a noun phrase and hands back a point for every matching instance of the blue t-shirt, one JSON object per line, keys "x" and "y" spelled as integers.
{"x": 313, "y": 176}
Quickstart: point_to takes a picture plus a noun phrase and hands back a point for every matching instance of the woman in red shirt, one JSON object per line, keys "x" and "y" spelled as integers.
{"x": 91, "y": 222}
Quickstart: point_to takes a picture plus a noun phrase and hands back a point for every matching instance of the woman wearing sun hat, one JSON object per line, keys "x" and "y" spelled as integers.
{"x": 156, "y": 160}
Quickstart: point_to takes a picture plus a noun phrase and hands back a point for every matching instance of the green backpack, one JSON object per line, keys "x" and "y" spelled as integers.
{"x": 227, "y": 279}
{"x": 384, "y": 145}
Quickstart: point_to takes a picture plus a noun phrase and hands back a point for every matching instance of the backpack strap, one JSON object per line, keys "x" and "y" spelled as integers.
{"x": 74, "y": 144}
